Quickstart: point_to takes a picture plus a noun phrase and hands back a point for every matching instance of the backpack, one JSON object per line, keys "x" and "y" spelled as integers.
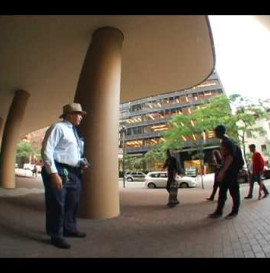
{"x": 239, "y": 160}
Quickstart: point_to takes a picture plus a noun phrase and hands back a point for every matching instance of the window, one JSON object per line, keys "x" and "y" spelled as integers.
{"x": 155, "y": 175}
{"x": 263, "y": 147}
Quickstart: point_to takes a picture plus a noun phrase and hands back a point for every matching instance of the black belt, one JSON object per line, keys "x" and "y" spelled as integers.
{"x": 68, "y": 167}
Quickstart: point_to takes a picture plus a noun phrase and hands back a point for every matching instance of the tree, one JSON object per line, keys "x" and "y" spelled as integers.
{"x": 247, "y": 113}
{"x": 189, "y": 129}
{"x": 238, "y": 114}
{"x": 155, "y": 155}
{"x": 24, "y": 149}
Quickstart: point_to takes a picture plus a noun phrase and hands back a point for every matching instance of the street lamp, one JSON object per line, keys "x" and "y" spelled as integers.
{"x": 201, "y": 152}
{"x": 123, "y": 132}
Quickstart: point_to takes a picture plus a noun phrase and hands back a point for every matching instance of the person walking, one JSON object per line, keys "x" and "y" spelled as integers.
{"x": 62, "y": 152}
{"x": 34, "y": 170}
{"x": 217, "y": 162}
{"x": 227, "y": 176}
{"x": 172, "y": 185}
{"x": 258, "y": 165}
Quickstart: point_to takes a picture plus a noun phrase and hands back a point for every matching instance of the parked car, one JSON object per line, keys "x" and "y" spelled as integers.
{"x": 135, "y": 176}
{"x": 159, "y": 179}
{"x": 29, "y": 166}
{"x": 243, "y": 176}
{"x": 191, "y": 171}
{"x": 266, "y": 173}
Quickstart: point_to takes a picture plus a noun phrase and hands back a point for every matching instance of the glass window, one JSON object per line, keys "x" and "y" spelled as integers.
{"x": 155, "y": 175}
{"x": 263, "y": 147}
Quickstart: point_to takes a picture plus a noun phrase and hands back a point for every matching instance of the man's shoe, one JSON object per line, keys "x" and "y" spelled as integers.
{"x": 248, "y": 197}
{"x": 231, "y": 215}
{"x": 265, "y": 195}
{"x": 215, "y": 215}
{"x": 173, "y": 204}
{"x": 210, "y": 199}
{"x": 77, "y": 234}
{"x": 60, "y": 242}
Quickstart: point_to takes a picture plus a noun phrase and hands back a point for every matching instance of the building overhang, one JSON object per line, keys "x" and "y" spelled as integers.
{"x": 44, "y": 56}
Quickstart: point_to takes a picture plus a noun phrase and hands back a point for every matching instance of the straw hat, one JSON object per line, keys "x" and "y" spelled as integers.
{"x": 72, "y": 108}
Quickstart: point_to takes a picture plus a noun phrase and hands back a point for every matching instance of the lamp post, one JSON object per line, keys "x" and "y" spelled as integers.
{"x": 123, "y": 134}
{"x": 202, "y": 161}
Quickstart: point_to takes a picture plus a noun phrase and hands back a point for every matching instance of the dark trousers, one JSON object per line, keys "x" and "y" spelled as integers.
{"x": 170, "y": 188}
{"x": 229, "y": 183}
{"x": 171, "y": 177}
{"x": 61, "y": 207}
{"x": 254, "y": 178}
{"x": 215, "y": 187}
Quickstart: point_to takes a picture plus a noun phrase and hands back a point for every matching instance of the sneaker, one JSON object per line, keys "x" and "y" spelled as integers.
{"x": 231, "y": 215}
{"x": 210, "y": 199}
{"x": 60, "y": 242}
{"x": 173, "y": 204}
{"x": 215, "y": 215}
{"x": 248, "y": 197}
{"x": 265, "y": 195}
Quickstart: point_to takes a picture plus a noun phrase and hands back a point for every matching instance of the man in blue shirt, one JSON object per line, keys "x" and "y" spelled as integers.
{"x": 62, "y": 152}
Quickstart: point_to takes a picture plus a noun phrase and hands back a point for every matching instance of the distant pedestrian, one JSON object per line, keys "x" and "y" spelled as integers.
{"x": 227, "y": 176}
{"x": 258, "y": 165}
{"x": 34, "y": 170}
{"x": 217, "y": 163}
{"x": 172, "y": 185}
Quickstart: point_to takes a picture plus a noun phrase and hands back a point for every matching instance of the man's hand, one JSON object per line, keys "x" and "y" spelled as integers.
{"x": 84, "y": 167}
{"x": 220, "y": 176}
{"x": 56, "y": 181}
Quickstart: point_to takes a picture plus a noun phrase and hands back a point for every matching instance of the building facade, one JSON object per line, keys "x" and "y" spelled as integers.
{"x": 262, "y": 141}
{"x": 146, "y": 120}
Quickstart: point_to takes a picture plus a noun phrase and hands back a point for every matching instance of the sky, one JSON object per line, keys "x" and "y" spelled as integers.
{"x": 242, "y": 48}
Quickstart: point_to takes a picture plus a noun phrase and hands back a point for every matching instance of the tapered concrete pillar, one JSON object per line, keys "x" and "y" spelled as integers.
{"x": 99, "y": 93}
{"x": 11, "y": 138}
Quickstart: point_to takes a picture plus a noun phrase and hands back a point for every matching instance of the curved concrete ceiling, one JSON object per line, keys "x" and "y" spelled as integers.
{"x": 44, "y": 56}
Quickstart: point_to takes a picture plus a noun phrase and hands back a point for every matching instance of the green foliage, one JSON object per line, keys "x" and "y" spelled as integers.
{"x": 24, "y": 149}
{"x": 133, "y": 162}
{"x": 238, "y": 114}
{"x": 203, "y": 119}
{"x": 156, "y": 154}
{"x": 246, "y": 115}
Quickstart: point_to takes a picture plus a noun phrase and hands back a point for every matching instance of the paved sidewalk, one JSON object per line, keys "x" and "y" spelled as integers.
{"x": 146, "y": 228}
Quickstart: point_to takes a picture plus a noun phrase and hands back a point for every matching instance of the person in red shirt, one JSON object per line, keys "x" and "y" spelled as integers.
{"x": 257, "y": 170}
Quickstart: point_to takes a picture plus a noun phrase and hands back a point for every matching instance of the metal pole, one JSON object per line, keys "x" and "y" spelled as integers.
{"x": 202, "y": 161}
{"x": 124, "y": 152}
{"x": 202, "y": 167}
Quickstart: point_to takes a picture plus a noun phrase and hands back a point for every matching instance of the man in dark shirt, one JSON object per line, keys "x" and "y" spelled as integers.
{"x": 227, "y": 175}
{"x": 171, "y": 165}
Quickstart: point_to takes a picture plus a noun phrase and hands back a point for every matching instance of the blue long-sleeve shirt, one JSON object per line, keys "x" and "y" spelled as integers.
{"x": 60, "y": 144}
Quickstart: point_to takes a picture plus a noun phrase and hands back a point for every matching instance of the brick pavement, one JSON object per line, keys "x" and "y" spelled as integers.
{"x": 145, "y": 227}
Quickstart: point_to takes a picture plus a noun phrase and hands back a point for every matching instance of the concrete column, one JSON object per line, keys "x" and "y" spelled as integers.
{"x": 99, "y": 93}
{"x": 11, "y": 138}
